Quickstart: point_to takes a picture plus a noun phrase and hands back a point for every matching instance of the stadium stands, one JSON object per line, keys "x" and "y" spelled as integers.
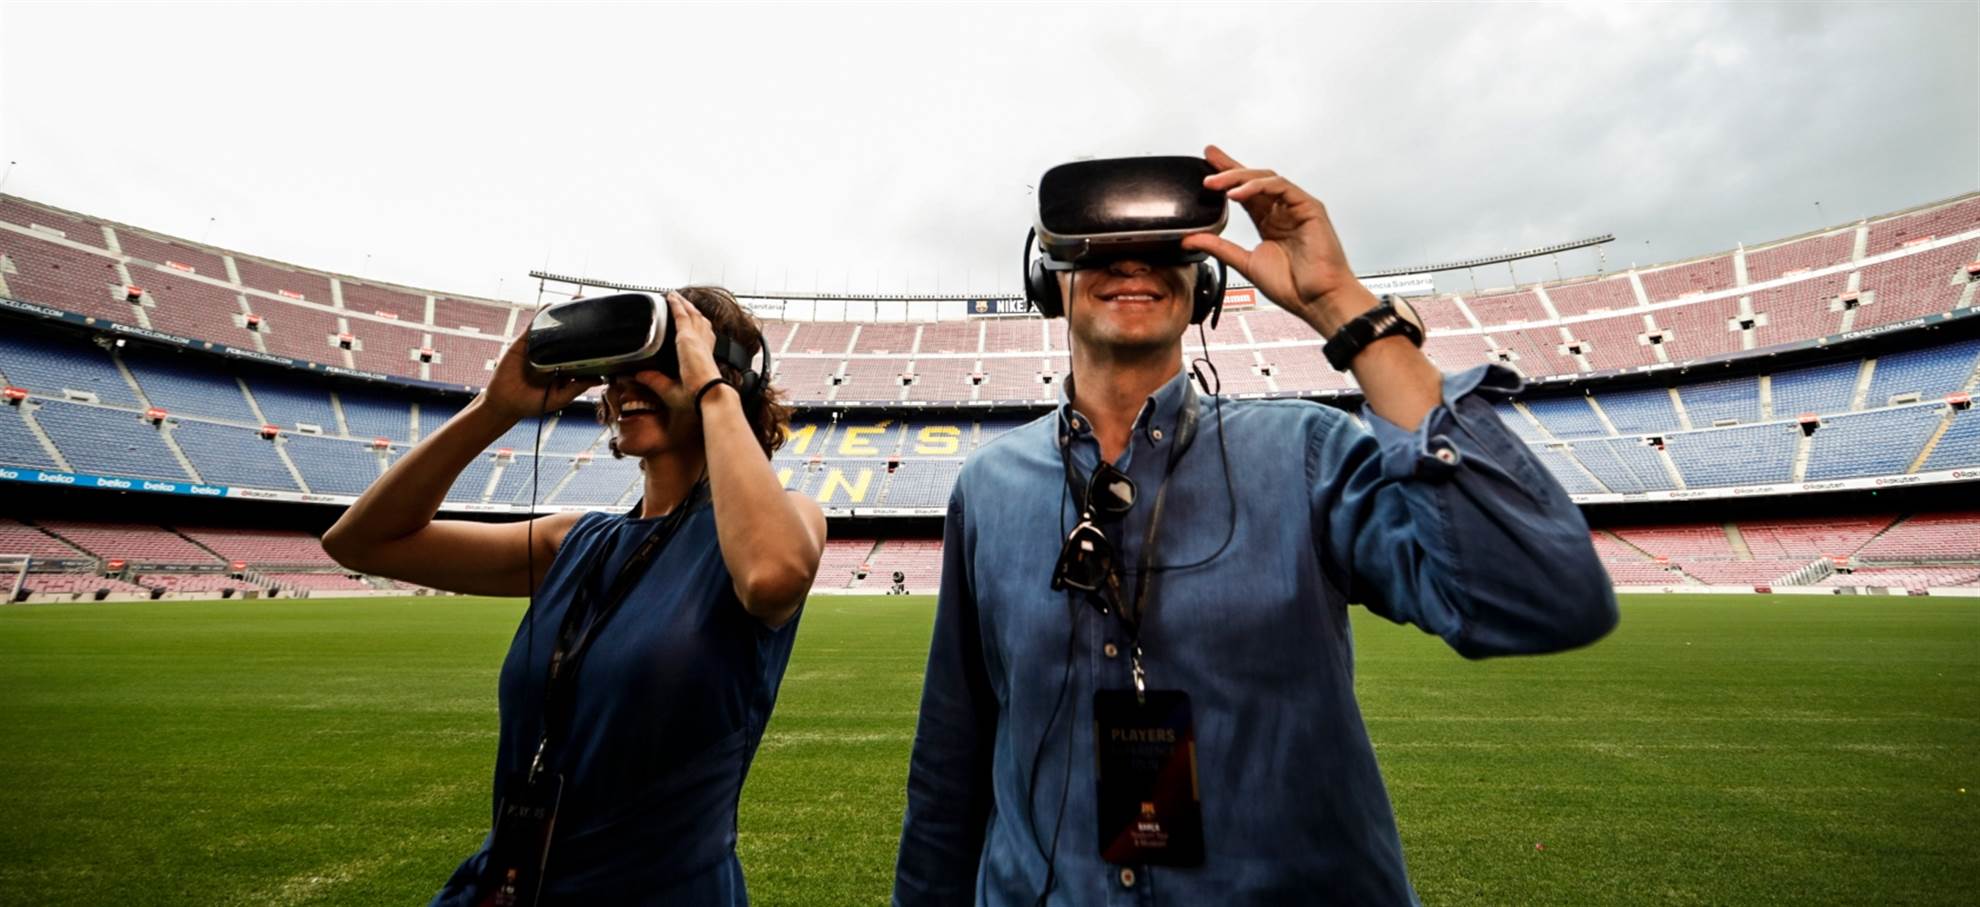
{"x": 194, "y": 582}
{"x": 76, "y": 585}
{"x": 1730, "y": 433}
{"x": 131, "y": 542}
{"x": 1640, "y": 412}
{"x": 259, "y": 547}
{"x": 18, "y": 445}
{"x": 1735, "y": 400}
{"x": 1882, "y": 442}
{"x": 306, "y": 583}
{"x": 1941, "y": 536}
{"x": 1914, "y": 263}
{"x": 1928, "y": 373}
{"x": 1803, "y": 254}
{"x": 113, "y": 442}
{"x": 1818, "y": 389}
{"x": 52, "y": 368}
{"x": 919, "y": 559}
{"x": 1914, "y": 552}
{"x": 1959, "y": 446}
{"x": 233, "y": 455}
{"x": 1882, "y": 415}
{"x": 19, "y": 538}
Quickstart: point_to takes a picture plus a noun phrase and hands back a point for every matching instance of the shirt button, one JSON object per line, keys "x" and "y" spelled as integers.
{"x": 1113, "y": 651}
{"x": 1157, "y": 433}
{"x": 1447, "y": 455}
{"x": 1127, "y": 877}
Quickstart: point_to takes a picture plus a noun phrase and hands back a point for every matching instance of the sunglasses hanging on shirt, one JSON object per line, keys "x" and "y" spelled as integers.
{"x": 1088, "y": 558}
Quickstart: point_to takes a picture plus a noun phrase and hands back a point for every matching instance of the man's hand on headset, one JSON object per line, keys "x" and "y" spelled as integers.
{"x": 1299, "y": 263}
{"x": 694, "y": 346}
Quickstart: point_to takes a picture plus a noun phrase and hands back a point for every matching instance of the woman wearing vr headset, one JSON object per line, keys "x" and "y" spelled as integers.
{"x": 636, "y": 690}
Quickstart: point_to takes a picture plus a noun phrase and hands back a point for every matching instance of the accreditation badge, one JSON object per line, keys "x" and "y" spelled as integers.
{"x": 1149, "y": 808}
{"x": 520, "y": 848}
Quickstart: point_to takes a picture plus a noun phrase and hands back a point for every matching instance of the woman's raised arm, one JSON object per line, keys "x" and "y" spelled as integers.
{"x": 391, "y": 531}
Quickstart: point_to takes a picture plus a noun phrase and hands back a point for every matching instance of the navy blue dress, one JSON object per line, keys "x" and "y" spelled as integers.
{"x": 670, "y": 704}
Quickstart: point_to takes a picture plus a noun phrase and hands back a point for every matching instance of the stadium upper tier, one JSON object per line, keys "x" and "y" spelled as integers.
{"x": 83, "y": 414}
{"x": 1878, "y": 272}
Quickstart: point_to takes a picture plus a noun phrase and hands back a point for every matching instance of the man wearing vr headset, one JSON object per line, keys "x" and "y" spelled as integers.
{"x": 636, "y": 690}
{"x": 1156, "y": 703}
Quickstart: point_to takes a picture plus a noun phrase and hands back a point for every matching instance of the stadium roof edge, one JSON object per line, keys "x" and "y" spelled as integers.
{"x": 288, "y": 265}
{"x": 1657, "y": 266}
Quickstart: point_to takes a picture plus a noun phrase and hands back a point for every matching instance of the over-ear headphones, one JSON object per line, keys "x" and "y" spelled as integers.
{"x": 1042, "y": 291}
{"x": 752, "y": 381}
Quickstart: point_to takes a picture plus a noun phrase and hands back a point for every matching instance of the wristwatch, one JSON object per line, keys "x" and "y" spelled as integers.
{"x": 1391, "y": 317}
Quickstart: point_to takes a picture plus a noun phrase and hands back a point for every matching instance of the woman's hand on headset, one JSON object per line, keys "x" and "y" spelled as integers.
{"x": 516, "y": 391}
{"x": 694, "y": 348}
{"x": 1299, "y": 263}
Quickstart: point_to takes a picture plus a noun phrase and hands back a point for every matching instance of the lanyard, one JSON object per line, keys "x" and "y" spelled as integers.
{"x": 1132, "y": 620}
{"x": 586, "y": 618}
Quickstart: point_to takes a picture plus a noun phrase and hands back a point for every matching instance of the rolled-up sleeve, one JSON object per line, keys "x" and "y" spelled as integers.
{"x": 949, "y": 785}
{"x": 1456, "y": 527}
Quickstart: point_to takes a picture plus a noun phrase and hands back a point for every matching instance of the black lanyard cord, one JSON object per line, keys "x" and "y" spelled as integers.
{"x": 586, "y": 618}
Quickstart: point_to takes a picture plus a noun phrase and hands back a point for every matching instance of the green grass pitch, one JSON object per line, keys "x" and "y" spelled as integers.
{"x": 1713, "y": 751}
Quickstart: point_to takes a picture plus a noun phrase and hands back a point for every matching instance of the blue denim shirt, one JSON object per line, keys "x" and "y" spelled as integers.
{"x": 1454, "y": 527}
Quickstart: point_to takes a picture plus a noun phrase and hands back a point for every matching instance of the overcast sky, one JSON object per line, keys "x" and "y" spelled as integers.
{"x": 889, "y": 148}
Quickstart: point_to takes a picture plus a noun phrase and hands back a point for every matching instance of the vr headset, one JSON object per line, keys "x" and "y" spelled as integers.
{"x": 1092, "y": 213}
{"x": 603, "y": 336}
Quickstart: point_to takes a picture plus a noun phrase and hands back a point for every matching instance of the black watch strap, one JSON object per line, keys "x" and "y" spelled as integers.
{"x": 1381, "y": 321}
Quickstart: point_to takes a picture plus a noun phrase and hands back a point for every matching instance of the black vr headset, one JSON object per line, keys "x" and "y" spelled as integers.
{"x": 1091, "y": 213}
{"x": 603, "y": 336}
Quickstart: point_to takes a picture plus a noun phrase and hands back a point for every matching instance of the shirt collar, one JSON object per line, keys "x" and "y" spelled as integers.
{"x": 1155, "y": 423}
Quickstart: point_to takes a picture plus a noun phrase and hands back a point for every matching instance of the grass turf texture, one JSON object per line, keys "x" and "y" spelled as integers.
{"x": 1714, "y": 750}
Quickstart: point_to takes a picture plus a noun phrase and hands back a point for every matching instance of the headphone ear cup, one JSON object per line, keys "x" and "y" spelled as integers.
{"x": 1209, "y": 292}
{"x": 1041, "y": 289}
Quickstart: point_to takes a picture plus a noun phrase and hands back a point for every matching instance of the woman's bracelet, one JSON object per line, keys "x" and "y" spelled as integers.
{"x": 703, "y": 392}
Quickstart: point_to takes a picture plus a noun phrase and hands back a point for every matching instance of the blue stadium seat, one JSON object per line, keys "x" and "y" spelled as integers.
{"x": 921, "y": 482}
{"x": 1623, "y": 464}
{"x": 1734, "y": 400}
{"x": 1960, "y": 445}
{"x": 1874, "y": 443}
{"x": 1931, "y": 373}
{"x": 514, "y": 486}
{"x": 1817, "y": 389}
{"x": 1562, "y": 466}
{"x": 1566, "y": 417}
{"x": 576, "y": 430}
{"x": 109, "y": 441}
{"x": 188, "y": 386}
{"x": 232, "y": 455}
{"x": 371, "y": 415}
{"x": 1640, "y": 412}
{"x": 47, "y": 365}
{"x": 18, "y": 446}
{"x": 332, "y": 466}
{"x": 600, "y": 484}
{"x": 290, "y": 403}
{"x": 473, "y": 480}
{"x": 1748, "y": 455}
{"x": 1517, "y": 423}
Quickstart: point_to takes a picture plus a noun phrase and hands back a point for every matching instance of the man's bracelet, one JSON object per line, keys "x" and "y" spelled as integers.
{"x": 703, "y": 392}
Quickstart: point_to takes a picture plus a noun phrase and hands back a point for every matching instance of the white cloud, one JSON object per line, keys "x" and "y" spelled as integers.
{"x": 889, "y": 147}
